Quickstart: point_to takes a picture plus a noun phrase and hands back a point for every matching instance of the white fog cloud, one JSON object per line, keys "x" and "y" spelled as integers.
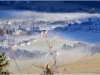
{"x": 45, "y": 16}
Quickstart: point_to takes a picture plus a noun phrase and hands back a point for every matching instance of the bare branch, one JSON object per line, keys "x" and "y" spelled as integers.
{"x": 50, "y": 51}
{"x": 30, "y": 70}
{"x": 38, "y": 66}
{"x": 13, "y": 54}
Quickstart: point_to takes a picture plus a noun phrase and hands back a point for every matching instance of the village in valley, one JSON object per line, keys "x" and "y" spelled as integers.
{"x": 49, "y": 37}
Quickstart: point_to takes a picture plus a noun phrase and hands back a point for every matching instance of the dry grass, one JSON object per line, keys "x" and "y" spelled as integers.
{"x": 87, "y": 65}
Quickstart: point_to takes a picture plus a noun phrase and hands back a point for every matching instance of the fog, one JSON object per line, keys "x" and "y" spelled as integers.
{"x": 66, "y": 56}
{"x": 37, "y": 16}
{"x": 63, "y": 55}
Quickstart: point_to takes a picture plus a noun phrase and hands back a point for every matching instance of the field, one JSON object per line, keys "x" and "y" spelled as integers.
{"x": 86, "y": 65}
{"x": 42, "y": 45}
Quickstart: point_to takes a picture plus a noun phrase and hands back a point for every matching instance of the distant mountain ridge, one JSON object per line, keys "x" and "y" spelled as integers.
{"x": 52, "y": 6}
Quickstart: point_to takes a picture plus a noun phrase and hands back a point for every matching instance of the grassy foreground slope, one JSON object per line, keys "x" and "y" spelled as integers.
{"x": 87, "y": 65}
{"x": 90, "y": 65}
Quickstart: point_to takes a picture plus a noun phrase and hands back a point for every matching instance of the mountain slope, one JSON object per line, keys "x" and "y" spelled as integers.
{"x": 87, "y": 65}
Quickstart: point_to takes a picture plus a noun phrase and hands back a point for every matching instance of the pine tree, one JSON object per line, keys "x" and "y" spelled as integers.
{"x": 4, "y": 62}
